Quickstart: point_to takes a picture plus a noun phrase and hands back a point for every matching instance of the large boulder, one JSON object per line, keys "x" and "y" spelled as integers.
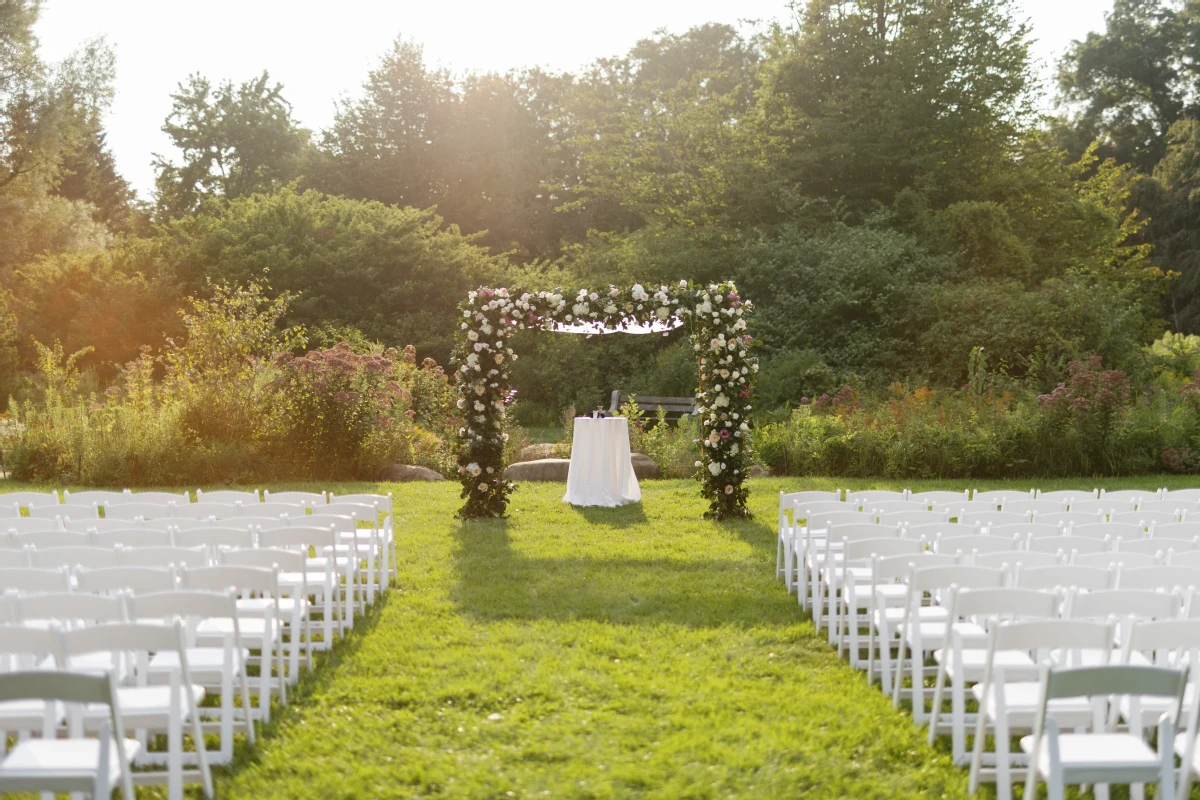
{"x": 644, "y": 467}
{"x": 541, "y": 469}
{"x": 534, "y": 452}
{"x": 404, "y": 473}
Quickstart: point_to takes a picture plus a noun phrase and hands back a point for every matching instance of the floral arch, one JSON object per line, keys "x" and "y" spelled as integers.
{"x": 715, "y": 317}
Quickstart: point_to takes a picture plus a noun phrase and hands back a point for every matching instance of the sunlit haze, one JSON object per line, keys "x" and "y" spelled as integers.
{"x": 321, "y": 52}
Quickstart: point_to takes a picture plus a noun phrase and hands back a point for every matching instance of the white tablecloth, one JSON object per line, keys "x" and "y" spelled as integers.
{"x": 601, "y": 473}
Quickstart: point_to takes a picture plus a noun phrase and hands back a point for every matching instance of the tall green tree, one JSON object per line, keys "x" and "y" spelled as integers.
{"x": 1124, "y": 87}
{"x": 234, "y": 141}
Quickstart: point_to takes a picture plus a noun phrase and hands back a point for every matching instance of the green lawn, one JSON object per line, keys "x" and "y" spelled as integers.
{"x": 566, "y": 653}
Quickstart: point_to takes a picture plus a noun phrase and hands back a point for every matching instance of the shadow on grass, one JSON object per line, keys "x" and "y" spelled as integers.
{"x": 498, "y": 583}
{"x": 619, "y": 517}
{"x": 312, "y": 682}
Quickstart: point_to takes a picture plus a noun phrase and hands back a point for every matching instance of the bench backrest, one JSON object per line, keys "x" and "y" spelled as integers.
{"x": 675, "y": 407}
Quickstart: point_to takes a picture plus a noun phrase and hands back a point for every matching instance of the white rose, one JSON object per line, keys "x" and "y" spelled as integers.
{"x": 663, "y": 313}
{"x": 480, "y": 406}
{"x": 714, "y": 468}
{"x": 480, "y": 388}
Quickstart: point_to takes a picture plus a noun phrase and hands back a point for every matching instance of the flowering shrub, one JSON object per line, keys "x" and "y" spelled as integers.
{"x": 233, "y": 404}
{"x": 715, "y": 318}
{"x": 341, "y": 409}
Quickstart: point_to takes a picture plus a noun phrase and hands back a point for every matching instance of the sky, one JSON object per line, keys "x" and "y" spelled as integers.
{"x": 321, "y": 52}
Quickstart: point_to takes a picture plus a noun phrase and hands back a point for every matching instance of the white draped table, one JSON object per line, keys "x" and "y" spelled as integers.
{"x": 601, "y": 473}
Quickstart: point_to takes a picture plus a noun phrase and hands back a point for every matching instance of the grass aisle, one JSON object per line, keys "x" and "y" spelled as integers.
{"x": 589, "y": 653}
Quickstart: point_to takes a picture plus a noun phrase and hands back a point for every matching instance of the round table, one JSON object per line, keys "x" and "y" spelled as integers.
{"x": 601, "y": 472}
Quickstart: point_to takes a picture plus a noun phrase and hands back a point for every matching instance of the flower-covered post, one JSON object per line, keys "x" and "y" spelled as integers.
{"x": 715, "y": 316}
{"x": 723, "y": 398}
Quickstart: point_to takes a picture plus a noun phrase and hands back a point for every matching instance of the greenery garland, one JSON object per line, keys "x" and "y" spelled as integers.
{"x": 715, "y": 316}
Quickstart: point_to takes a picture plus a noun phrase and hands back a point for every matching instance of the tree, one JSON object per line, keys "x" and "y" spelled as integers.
{"x": 89, "y": 174}
{"x": 863, "y": 99}
{"x": 396, "y": 274}
{"x": 235, "y": 141}
{"x": 391, "y": 145}
{"x": 1125, "y": 87}
{"x": 47, "y": 114}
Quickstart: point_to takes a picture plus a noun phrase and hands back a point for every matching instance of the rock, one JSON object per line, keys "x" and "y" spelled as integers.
{"x": 404, "y": 473}
{"x": 644, "y": 467}
{"x": 758, "y": 471}
{"x": 535, "y": 452}
{"x": 542, "y": 469}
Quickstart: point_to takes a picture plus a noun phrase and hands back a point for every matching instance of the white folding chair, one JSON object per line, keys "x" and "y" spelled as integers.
{"x": 227, "y": 496}
{"x": 127, "y": 579}
{"x": 1105, "y": 757}
{"x": 259, "y": 628}
{"x": 940, "y": 498}
{"x": 293, "y": 603}
{"x": 1068, "y": 545}
{"x": 1025, "y": 530}
{"x": 28, "y": 647}
{"x": 151, "y": 709}
{"x": 887, "y": 609}
{"x": 807, "y": 544}
{"x": 922, "y": 627}
{"x": 323, "y": 580}
{"x": 824, "y": 566}
{"x": 1146, "y": 519}
{"x": 962, "y": 662}
{"x": 132, "y": 510}
{"x": 158, "y": 498}
{"x": 787, "y": 519}
{"x": 912, "y": 518}
{"x": 1170, "y": 530}
{"x": 1014, "y": 560}
{"x": 311, "y": 499}
{"x": 990, "y": 518}
{"x": 1009, "y": 704}
{"x": 132, "y": 537}
{"x": 1131, "y": 495}
{"x": 1001, "y": 496}
{"x": 87, "y": 557}
{"x": 91, "y": 525}
{"x": 387, "y": 526}
{"x": 1106, "y": 560}
{"x": 51, "y": 539}
{"x": 96, "y": 497}
{"x": 1065, "y": 576}
{"x": 1100, "y": 508}
{"x": 29, "y": 500}
{"x": 1106, "y": 530}
{"x": 866, "y": 498}
{"x": 1159, "y": 578}
{"x": 968, "y": 546}
{"x": 858, "y": 589}
{"x": 27, "y": 580}
{"x": 75, "y": 764}
{"x": 1066, "y": 518}
{"x": 76, "y": 511}
{"x": 1028, "y": 506}
{"x": 1067, "y": 495}
{"x": 216, "y": 669}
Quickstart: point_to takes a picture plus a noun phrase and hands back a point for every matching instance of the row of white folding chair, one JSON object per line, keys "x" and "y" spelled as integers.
{"x": 87, "y": 548}
{"x": 218, "y": 667}
{"x": 148, "y": 708}
{"x": 962, "y": 659}
{"x": 1013, "y": 698}
{"x": 266, "y": 605}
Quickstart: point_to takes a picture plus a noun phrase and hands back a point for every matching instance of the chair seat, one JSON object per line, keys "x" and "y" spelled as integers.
{"x": 1022, "y": 700}
{"x": 1152, "y": 708}
{"x": 28, "y": 714}
{"x": 204, "y": 663}
{"x": 144, "y": 706}
{"x": 258, "y": 605}
{"x": 1096, "y": 753}
{"x": 212, "y": 631}
{"x": 1096, "y": 658}
{"x": 863, "y": 593}
{"x": 63, "y": 760}
{"x": 894, "y": 615}
{"x": 1016, "y": 664}
{"x": 933, "y": 633}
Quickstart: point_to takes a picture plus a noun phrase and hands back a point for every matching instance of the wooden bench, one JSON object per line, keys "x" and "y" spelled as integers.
{"x": 675, "y": 407}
